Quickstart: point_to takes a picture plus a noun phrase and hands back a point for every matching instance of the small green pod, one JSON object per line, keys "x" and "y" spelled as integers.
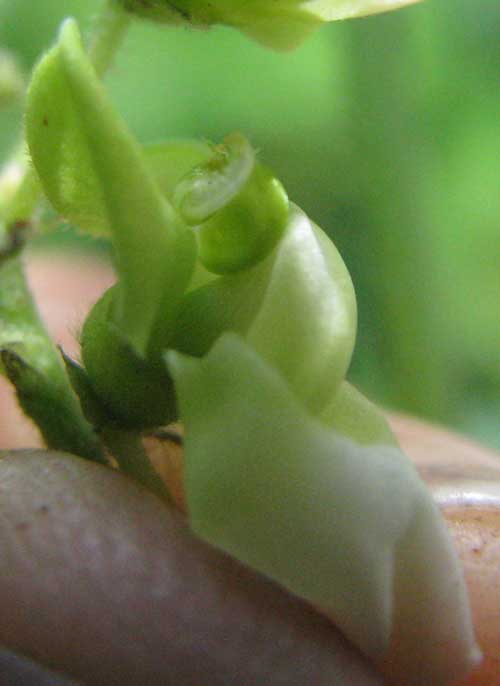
{"x": 137, "y": 393}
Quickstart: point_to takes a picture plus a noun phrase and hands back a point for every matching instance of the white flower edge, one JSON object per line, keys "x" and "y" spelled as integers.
{"x": 331, "y": 10}
{"x": 350, "y": 528}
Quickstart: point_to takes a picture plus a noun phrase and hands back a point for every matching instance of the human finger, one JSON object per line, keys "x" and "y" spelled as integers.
{"x": 100, "y": 580}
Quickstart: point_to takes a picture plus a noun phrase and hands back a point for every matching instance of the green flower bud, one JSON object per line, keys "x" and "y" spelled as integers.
{"x": 282, "y": 24}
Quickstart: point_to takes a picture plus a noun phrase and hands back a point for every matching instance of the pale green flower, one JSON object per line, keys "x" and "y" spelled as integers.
{"x": 287, "y": 467}
{"x": 281, "y": 25}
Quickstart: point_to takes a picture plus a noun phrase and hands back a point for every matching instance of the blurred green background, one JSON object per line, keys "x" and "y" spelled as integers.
{"x": 386, "y": 131}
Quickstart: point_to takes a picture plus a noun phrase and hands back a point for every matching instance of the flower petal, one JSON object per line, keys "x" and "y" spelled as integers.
{"x": 342, "y": 525}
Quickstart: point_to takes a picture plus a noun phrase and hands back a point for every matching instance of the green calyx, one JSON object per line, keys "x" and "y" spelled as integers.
{"x": 134, "y": 392}
{"x": 239, "y": 207}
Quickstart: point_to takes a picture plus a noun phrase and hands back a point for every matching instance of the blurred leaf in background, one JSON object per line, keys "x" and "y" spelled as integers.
{"x": 386, "y": 130}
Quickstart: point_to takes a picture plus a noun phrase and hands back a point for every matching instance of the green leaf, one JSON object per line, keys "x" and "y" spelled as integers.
{"x": 343, "y": 525}
{"x": 59, "y": 149}
{"x": 32, "y": 363}
{"x": 86, "y": 159}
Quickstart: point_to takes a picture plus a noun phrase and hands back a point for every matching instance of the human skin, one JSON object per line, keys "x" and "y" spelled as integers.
{"x": 101, "y": 581}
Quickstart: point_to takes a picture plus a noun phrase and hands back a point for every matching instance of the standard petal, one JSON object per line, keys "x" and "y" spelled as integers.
{"x": 340, "y": 524}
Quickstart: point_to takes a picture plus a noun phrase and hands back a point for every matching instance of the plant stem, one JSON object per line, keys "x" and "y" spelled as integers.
{"x": 127, "y": 449}
{"x": 109, "y": 30}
